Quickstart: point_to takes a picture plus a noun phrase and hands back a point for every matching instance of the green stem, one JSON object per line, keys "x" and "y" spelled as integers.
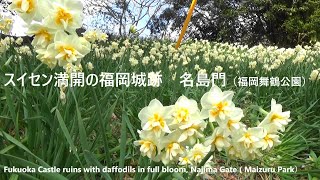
{"x": 263, "y": 111}
{"x": 211, "y": 126}
{"x": 204, "y": 160}
{"x": 153, "y": 164}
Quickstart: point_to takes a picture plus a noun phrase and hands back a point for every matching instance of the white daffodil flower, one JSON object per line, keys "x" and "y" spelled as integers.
{"x": 192, "y": 131}
{"x": 47, "y": 57}
{"x": 148, "y": 144}
{"x": 270, "y": 139}
{"x": 67, "y": 48}
{"x": 155, "y": 117}
{"x": 185, "y": 113}
{"x": 198, "y": 152}
{"x": 26, "y": 9}
{"x": 232, "y": 122}
{"x": 184, "y": 161}
{"x": 62, "y": 14}
{"x": 217, "y": 104}
{"x": 251, "y": 138}
{"x": 276, "y": 118}
{"x": 172, "y": 148}
{"x": 43, "y": 36}
{"x": 218, "y": 140}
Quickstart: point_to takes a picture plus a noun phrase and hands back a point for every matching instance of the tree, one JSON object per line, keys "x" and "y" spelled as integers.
{"x": 4, "y": 4}
{"x": 273, "y": 22}
{"x": 121, "y": 14}
{"x": 293, "y": 22}
{"x": 212, "y": 19}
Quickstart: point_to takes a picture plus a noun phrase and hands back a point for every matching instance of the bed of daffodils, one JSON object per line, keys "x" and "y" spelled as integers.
{"x": 173, "y": 133}
{"x": 164, "y": 124}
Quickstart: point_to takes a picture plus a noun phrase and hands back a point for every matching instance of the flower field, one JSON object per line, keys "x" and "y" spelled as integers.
{"x": 70, "y": 104}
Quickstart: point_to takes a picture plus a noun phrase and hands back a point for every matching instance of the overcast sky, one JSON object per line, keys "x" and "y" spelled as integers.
{"x": 18, "y": 28}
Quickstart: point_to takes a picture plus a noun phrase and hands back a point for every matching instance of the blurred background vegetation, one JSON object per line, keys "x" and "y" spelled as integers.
{"x": 283, "y": 23}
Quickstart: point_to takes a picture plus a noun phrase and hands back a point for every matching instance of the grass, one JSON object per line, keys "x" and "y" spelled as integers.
{"x": 97, "y": 126}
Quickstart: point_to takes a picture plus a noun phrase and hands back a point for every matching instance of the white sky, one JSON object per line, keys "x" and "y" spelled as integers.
{"x": 18, "y": 28}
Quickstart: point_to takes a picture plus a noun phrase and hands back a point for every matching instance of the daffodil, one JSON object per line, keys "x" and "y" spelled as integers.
{"x": 232, "y": 122}
{"x": 193, "y": 131}
{"x": 185, "y": 113}
{"x": 90, "y": 66}
{"x": 172, "y": 149}
{"x": 47, "y": 57}
{"x": 198, "y": 152}
{"x": 155, "y": 117}
{"x": 95, "y": 35}
{"x": 62, "y": 14}
{"x": 19, "y": 41}
{"x": 276, "y": 118}
{"x": 270, "y": 139}
{"x": 217, "y": 104}
{"x": 85, "y": 45}
{"x": 6, "y": 23}
{"x": 67, "y": 48}
{"x": 315, "y": 75}
{"x": 251, "y": 138}
{"x": 73, "y": 68}
{"x": 218, "y": 140}
{"x": 148, "y": 144}
{"x": 26, "y": 9}
{"x": 184, "y": 161}
{"x": 43, "y": 36}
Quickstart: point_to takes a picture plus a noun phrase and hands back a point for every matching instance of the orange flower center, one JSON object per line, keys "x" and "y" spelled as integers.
{"x": 30, "y": 2}
{"x": 63, "y": 15}
{"x": 183, "y": 115}
{"x": 276, "y": 117}
{"x": 157, "y": 118}
{"x": 45, "y": 34}
{"x": 68, "y": 50}
{"x": 219, "y": 108}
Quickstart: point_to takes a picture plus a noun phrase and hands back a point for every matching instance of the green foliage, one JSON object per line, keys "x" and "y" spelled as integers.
{"x": 284, "y": 23}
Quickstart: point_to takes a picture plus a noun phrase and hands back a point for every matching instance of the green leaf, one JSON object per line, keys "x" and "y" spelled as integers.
{"x": 82, "y": 131}
{"x": 67, "y": 134}
{"x": 93, "y": 161}
{"x": 123, "y": 140}
{"x": 24, "y": 163}
{"x": 20, "y": 145}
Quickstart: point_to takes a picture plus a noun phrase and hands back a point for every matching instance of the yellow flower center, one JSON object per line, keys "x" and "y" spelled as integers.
{"x": 218, "y": 108}
{"x": 170, "y": 146}
{"x": 230, "y": 123}
{"x": 63, "y": 15}
{"x": 197, "y": 156}
{"x": 247, "y": 135}
{"x": 147, "y": 144}
{"x": 182, "y": 115}
{"x": 157, "y": 118}
{"x": 267, "y": 137}
{"x": 275, "y": 117}
{"x": 8, "y": 21}
{"x": 30, "y": 7}
{"x": 218, "y": 138}
{"x": 45, "y": 34}
{"x": 185, "y": 159}
{"x": 68, "y": 50}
